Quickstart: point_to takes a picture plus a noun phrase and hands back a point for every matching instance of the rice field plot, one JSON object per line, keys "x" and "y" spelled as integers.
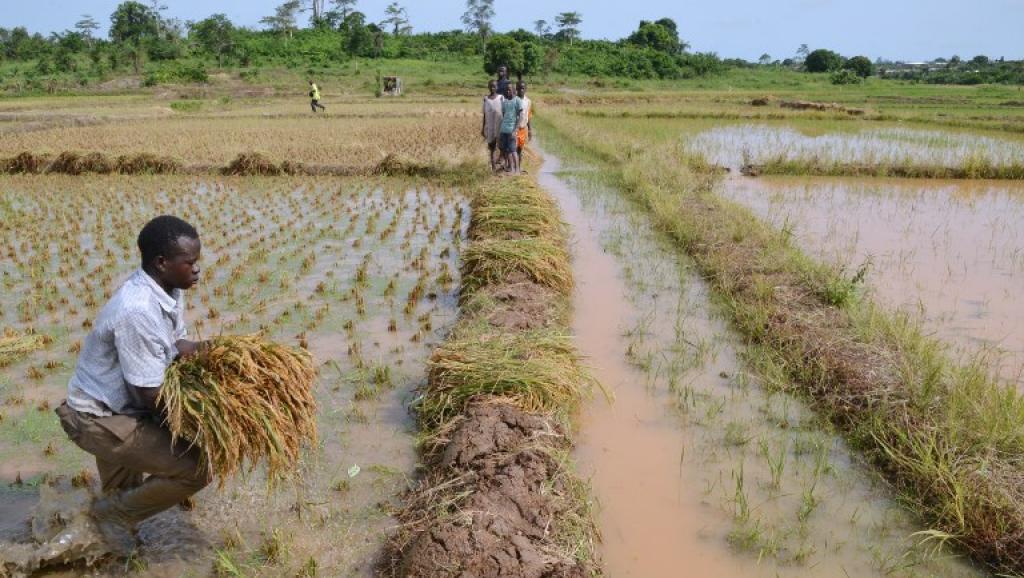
{"x": 951, "y": 253}
{"x": 361, "y": 272}
{"x": 752, "y": 483}
{"x": 438, "y": 140}
{"x": 739, "y": 145}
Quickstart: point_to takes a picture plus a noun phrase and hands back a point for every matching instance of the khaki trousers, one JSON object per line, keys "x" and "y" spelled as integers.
{"x": 128, "y": 447}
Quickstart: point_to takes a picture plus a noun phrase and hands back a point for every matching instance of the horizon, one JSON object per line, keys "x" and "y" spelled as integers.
{"x": 725, "y": 28}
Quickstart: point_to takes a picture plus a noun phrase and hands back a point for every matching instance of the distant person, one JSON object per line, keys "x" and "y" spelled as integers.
{"x": 314, "y": 95}
{"x": 525, "y": 132}
{"x": 503, "y": 81}
{"x": 491, "y": 129}
{"x": 511, "y": 114}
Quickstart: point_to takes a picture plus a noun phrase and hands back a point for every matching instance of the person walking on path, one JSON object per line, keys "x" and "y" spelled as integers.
{"x": 525, "y": 132}
{"x": 511, "y": 113}
{"x": 492, "y": 115}
{"x": 314, "y": 95}
{"x": 111, "y": 408}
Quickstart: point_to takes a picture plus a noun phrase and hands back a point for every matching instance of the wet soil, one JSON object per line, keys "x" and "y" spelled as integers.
{"x": 504, "y": 457}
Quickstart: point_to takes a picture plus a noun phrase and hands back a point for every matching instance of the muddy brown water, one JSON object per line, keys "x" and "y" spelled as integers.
{"x": 681, "y": 462}
{"x": 949, "y": 252}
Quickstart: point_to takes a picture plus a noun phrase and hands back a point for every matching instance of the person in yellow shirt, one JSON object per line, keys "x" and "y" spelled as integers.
{"x": 314, "y": 95}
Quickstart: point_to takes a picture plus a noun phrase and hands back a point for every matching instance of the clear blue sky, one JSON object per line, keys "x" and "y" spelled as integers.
{"x": 897, "y": 29}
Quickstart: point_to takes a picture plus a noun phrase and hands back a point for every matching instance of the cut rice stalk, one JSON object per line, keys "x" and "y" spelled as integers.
{"x": 243, "y": 400}
{"x": 13, "y": 347}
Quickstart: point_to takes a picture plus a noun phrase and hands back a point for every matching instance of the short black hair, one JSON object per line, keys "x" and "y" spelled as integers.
{"x": 160, "y": 237}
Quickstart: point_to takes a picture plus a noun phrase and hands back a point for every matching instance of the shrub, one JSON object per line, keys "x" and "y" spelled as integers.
{"x": 861, "y": 65}
{"x": 823, "y": 60}
{"x": 846, "y": 76}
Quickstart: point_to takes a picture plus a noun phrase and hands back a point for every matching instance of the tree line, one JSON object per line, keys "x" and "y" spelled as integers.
{"x": 319, "y": 33}
{"x": 306, "y": 34}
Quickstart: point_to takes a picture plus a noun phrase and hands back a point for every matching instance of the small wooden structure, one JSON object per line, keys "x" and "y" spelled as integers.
{"x": 392, "y": 86}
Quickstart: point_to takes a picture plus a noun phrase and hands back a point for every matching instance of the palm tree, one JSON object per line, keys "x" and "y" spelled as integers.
{"x": 568, "y": 23}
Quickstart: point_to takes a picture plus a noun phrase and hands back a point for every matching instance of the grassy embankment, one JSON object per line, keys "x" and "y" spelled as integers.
{"x": 946, "y": 435}
{"x": 496, "y": 412}
{"x": 970, "y": 169}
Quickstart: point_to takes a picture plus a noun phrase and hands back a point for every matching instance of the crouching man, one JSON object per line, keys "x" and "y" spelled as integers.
{"x": 111, "y": 410}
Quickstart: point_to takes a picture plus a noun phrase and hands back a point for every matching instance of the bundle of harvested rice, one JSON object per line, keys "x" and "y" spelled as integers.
{"x": 146, "y": 163}
{"x": 493, "y": 260}
{"x": 243, "y": 400}
{"x": 538, "y": 371}
{"x": 252, "y": 164}
{"x": 26, "y": 162}
{"x": 13, "y": 346}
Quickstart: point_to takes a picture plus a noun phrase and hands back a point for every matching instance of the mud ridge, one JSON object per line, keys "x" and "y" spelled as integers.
{"x": 499, "y": 498}
{"x": 245, "y": 164}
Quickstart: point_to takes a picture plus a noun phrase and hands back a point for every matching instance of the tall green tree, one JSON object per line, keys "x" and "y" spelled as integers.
{"x": 131, "y": 26}
{"x": 823, "y": 60}
{"x": 397, "y": 18}
{"x": 86, "y": 26}
{"x": 541, "y": 27}
{"x": 283, "y": 20}
{"x": 340, "y": 10}
{"x": 215, "y": 35}
{"x": 477, "y": 19}
{"x": 861, "y": 65}
{"x": 503, "y": 50}
{"x": 662, "y": 36}
{"x": 317, "y": 11}
{"x": 568, "y": 25}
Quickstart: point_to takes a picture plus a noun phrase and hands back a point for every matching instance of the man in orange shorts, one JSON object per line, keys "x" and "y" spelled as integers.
{"x": 525, "y": 133}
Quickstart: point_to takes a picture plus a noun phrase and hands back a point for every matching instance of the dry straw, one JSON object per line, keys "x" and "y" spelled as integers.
{"x": 13, "y": 347}
{"x": 243, "y": 400}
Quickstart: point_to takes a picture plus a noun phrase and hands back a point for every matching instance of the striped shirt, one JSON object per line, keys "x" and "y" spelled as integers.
{"x": 132, "y": 343}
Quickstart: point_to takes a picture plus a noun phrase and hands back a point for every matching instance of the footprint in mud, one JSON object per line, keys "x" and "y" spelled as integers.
{"x": 59, "y": 532}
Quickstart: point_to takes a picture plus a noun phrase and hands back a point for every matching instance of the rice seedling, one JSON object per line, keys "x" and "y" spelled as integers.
{"x": 243, "y": 400}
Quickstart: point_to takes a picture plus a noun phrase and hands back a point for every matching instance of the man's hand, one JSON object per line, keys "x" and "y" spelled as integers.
{"x": 188, "y": 348}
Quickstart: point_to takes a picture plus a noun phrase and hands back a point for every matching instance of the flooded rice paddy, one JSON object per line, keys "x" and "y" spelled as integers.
{"x": 698, "y": 466}
{"x": 950, "y": 253}
{"x": 362, "y": 272}
{"x": 733, "y": 146}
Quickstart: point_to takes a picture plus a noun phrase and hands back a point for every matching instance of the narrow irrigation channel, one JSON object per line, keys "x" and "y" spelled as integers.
{"x": 698, "y": 465}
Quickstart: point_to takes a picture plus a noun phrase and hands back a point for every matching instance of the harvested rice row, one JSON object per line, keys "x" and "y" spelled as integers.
{"x": 497, "y": 409}
{"x": 245, "y": 164}
{"x": 242, "y": 401}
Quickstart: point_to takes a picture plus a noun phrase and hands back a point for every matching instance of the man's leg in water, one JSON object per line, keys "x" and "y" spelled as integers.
{"x": 114, "y": 477}
{"x": 124, "y": 446}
